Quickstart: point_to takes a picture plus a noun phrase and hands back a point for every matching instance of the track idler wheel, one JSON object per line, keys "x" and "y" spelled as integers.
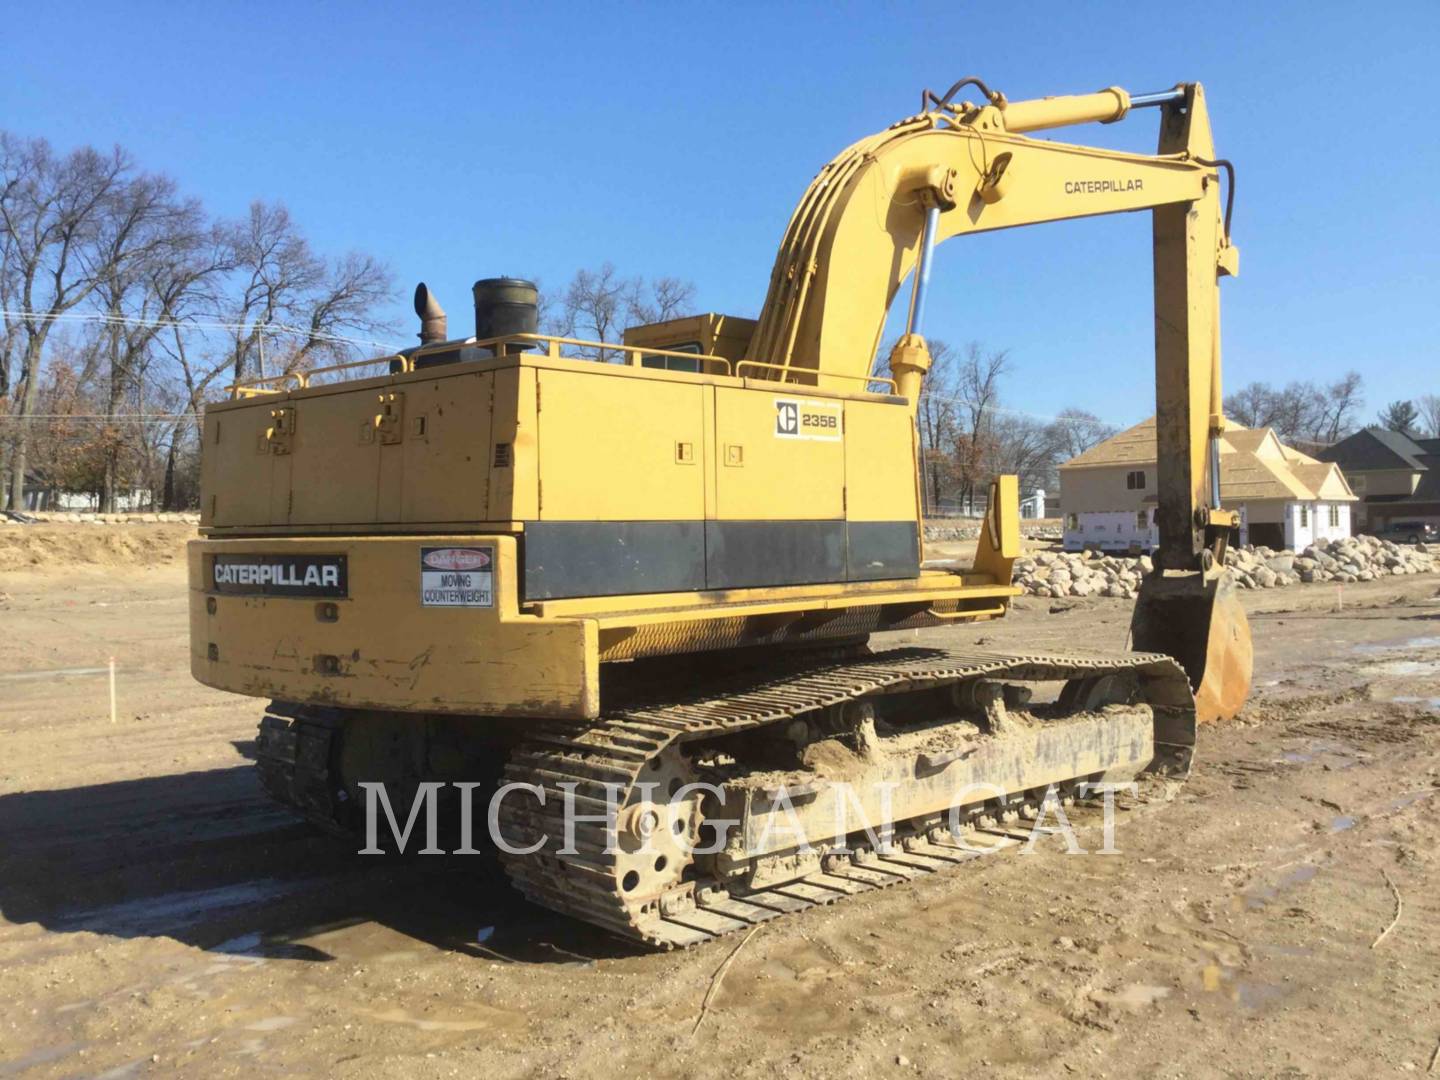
{"x": 1198, "y": 620}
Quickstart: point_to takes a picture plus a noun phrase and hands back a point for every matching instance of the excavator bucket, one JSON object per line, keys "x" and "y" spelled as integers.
{"x": 1201, "y": 624}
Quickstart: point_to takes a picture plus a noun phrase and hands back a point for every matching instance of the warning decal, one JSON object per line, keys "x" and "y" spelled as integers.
{"x": 457, "y": 577}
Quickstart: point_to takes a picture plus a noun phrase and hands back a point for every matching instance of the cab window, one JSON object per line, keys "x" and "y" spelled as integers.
{"x": 675, "y": 363}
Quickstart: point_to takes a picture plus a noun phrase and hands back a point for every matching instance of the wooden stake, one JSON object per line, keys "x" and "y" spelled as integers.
{"x": 719, "y": 977}
{"x": 1399, "y": 907}
{"x": 112, "y": 689}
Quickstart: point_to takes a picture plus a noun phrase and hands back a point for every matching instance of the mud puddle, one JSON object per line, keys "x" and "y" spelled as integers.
{"x": 1428, "y": 702}
{"x": 156, "y": 916}
{"x": 1400, "y": 668}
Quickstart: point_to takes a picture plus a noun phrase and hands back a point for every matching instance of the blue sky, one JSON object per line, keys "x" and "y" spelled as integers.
{"x": 468, "y": 140}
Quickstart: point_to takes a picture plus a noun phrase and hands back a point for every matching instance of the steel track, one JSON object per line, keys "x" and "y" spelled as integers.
{"x": 579, "y": 761}
{"x": 298, "y": 758}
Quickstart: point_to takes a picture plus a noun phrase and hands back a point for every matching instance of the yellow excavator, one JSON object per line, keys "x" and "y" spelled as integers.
{"x": 624, "y": 590}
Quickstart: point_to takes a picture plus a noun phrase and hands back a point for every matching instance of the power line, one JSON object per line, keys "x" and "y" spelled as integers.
{"x": 1091, "y": 421}
{"x": 119, "y": 418}
{"x": 190, "y": 324}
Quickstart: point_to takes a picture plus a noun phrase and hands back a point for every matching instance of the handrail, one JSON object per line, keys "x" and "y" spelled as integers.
{"x": 633, "y": 354}
{"x": 407, "y": 363}
{"x": 867, "y": 379}
{"x": 256, "y": 386}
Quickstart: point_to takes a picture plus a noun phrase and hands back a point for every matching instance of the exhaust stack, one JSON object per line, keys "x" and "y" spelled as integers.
{"x": 432, "y": 316}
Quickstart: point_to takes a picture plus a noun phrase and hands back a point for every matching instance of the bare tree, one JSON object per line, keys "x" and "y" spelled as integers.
{"x": 1299, "y": 411}
{"x": 185, "y": 287}
{"x": 1073, "y": 431}
{"x": 50, "y": 212}
{"x": 1294, "y": 411}
{"x": 1430, "y": 414}
{"x": 935, "y": 418}
{"x": 978, "y": 394}
{"x": 1250, "y": 406}
{"x": 280, "y": 282}
{"x": 598, "y": 305}
{"x": 10, "y": 329}
{"x": 665, "y": 298}
{"x": 1024, "y": 446}
{"x": 142, "y": 236}
{"x": 87, "y": 236}
{"x": 1343, "y": 400}
{"x": 67, "y": 446}
{"x": 967, "y": 437}
{"x": 595, "y": 305}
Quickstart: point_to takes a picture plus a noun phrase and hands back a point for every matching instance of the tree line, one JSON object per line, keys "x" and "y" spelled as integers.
{"x": 968, "y": 436}
{"x": 126, "y": 307}
{"x": 107, "y": 271}
{"x": 1308, "y": 415}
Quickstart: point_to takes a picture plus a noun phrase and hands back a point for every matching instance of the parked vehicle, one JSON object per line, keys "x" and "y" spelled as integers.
{"x": 1410, "y": 532}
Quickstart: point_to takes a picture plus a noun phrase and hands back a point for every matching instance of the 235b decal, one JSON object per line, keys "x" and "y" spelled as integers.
{"x": 796, "y": 418}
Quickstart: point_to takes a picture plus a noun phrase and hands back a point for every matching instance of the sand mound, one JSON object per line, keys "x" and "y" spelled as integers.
{"x": 66, "y": 547}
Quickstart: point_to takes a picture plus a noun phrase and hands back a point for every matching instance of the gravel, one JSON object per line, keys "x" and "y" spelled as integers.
{"x": 1355, "y": 558}
{"x": 86, "y": 517}
{"x": 1043, "y": 529}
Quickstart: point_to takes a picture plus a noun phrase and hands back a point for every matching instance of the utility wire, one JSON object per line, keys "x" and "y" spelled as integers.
{"x": 1090, "y": 421}
{"x": 189, "y": 324}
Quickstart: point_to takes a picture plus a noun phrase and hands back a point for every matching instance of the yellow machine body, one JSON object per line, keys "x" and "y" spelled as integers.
{"x": 729, "y": 482}
{"x": 625, "y": 512}
{"x": 680, "y": 543}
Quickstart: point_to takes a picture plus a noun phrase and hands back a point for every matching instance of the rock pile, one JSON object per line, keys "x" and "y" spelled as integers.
{"x": 1355, "y": 558}
{"x": 1087, "y": 573}
{"x": 86, "y": 517}
{"x": 969, "y": 529}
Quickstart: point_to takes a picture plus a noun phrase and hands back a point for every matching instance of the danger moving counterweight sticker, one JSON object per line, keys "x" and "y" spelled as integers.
{"x": 457, "y": 577}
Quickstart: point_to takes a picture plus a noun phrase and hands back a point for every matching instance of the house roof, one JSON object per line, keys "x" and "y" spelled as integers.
{"x": 1428, "y": 490}
{"x": 1133, "y": 446}
{"x": 1254, "y": 464}
{"x": 1376, "y": 448}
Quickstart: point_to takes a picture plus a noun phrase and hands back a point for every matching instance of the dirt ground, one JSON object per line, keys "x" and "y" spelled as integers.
{"x": 157, "y": 916}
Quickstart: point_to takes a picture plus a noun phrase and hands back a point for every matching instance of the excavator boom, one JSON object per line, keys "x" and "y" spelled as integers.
{"x": 872, "y": 217}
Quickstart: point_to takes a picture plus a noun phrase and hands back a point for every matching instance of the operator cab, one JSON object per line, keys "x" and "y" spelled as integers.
{"x": 726, "y": 336}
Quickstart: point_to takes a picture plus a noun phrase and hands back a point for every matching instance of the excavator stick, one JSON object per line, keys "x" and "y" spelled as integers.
{"x": 1199, "y": 621}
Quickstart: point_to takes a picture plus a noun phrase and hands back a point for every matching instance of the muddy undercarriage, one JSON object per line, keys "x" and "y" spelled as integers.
{"x": 679, "y": 816}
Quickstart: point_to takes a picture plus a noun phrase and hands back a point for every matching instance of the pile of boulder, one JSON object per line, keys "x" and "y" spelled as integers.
{"x": 1355, "y": 558}
{"x": 1086, "y": 573}
{"x": 86, "y": 517}
{"x": 969, "y": 529}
